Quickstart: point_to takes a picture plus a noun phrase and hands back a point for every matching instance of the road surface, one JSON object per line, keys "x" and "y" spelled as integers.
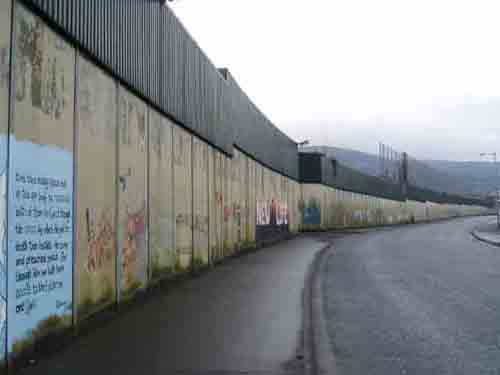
{"x": 421, "y": 299}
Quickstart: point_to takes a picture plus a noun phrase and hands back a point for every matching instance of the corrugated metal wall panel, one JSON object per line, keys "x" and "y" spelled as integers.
{"x": 144, "y": 44}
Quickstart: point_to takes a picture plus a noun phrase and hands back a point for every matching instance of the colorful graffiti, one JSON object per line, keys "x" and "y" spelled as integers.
{"x": 96, "y": 125}
{"x": 132, "y": 206}
{"x": 134, "y": 236}
{"x": 274, "y": 213}
{"x": 101, "y": 241}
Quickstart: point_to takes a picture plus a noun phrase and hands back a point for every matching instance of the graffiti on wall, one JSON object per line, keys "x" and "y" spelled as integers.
{"x": 96, "y": 218}
{"x": 274, "y": 212}
{"x": 132, "y": 231}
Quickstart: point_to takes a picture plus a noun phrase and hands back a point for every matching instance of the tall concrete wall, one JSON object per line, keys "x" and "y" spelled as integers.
{"x": 149, "y": 198}
{"x": 323, "y": 207}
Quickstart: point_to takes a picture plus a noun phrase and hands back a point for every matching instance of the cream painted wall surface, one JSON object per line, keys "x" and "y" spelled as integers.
{"x": 341, "y": 209}
{"x": 219, "y": 204}
{"x": 96, "y": 134}
{"x": 212, "y": 205}
{"x": 132, "y": 187}
{"x": 228, "y": 244}
{"x": 252, "y": 203}
{"x": 183, "y": 182}
{"x": 161, "y": 197}
{"x": 200, "y": 202}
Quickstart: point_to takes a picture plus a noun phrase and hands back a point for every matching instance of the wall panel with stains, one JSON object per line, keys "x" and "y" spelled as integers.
{"x": 96, "y": 135}
{"x": 292, "y": 200}
{"x": 251, "y": 203}
{"x": 237, "y": 194}
{"x": 311, "y": 207}
{"x": 5, "y": 35}
{"x": 183, "y": 190}
{"x": 243, "y": 201}
{"x": 212, "y": 205}
{"x": 218, "y": 205}
{"x": 201, "y": 250}
{"x": 228, "y": 243}
{"x": 161, "y": 197}
{"x": 132, "y": 193}
{"x": 40, "y": 246}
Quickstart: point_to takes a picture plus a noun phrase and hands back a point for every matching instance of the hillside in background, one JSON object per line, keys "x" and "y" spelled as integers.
{"x": 468, "y": 178}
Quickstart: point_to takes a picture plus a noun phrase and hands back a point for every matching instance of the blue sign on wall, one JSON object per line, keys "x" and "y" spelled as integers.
{"x": 311, "y": 214}
{"x": 40, "y": 241}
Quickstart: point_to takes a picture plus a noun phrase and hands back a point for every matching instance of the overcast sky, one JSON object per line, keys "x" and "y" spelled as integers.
{"x": 422, "y": 76}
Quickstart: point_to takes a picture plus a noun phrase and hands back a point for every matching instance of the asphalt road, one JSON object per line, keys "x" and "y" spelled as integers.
{"x": 422, "y": 299}
{"x": 242, "y": 317}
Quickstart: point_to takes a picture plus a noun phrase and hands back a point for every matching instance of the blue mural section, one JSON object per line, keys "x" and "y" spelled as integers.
{"x": 5, "y": 44}
{"x": 3, "y": 245}
{"x": 40, "y": 242}
{"x": 312, "y": 213}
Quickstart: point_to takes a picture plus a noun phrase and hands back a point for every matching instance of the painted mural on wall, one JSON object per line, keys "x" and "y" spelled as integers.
{"x": 183, "y": 183}
{"x": 162, "y": 233}
{"x": 5, "y": 25}
{"x": 40, "y": 246}
{"x": 273, "y": 213}
{"x": 96, "y": 185}
{"x": 272, "y": 216}
{"x": 132, "y": 206}
{"x": 311, "y": 212}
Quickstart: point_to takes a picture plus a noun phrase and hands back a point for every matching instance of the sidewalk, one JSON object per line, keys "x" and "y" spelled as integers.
{"x": 489, "y": 233}
{"x": 244, "y": 316}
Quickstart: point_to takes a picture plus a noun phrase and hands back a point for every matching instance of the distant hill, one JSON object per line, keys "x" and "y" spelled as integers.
{"x": 467, "y": 178}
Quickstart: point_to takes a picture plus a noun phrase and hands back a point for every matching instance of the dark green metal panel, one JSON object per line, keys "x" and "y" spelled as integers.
{"x": 143, "y": 43}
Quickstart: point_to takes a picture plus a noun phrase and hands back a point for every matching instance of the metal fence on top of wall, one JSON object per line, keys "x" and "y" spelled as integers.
{"x": 144, "y": 44}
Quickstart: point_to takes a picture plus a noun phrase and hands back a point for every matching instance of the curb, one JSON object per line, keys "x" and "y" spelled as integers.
{"x": 319, "y": 357}
{"x": 476, "y": 234}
